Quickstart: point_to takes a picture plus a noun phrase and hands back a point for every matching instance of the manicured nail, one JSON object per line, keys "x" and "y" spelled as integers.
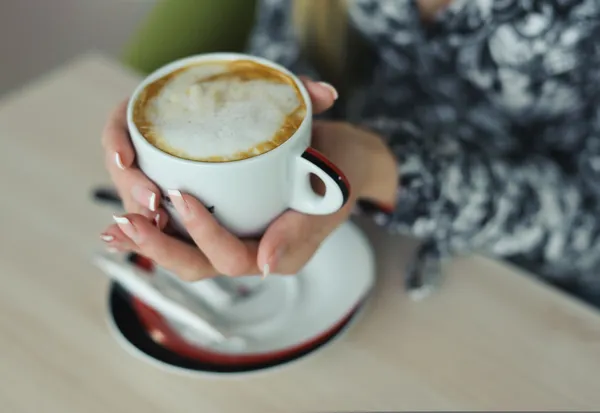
{"x": 266, "y": 271}
{"x": 118, "y": 161}
{"x": 106, "y": 237}
{"x": 179, "y": 203}
{"x": 144, "y": 197}
{"x": 127, "y": 227}
{"x": 157, "y": 220}
{"x": 334, "y": 92}
{"x": 152, "y": 202}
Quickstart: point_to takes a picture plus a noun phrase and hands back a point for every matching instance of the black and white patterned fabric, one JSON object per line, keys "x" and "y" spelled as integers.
{"x": 493, "y": 111}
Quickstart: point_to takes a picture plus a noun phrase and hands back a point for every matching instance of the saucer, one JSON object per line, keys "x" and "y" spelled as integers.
{"x": 133, "y": 336}
{"x": 289, "y": 317}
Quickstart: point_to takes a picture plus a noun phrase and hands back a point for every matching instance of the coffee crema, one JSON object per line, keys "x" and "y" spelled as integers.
{"x": 220, "y": 111}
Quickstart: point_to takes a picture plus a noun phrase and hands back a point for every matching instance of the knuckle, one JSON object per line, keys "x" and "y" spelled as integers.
{"x": 110, "y": 134}
{"x": 114, "y": 134}
{"x": 130, "y": 206}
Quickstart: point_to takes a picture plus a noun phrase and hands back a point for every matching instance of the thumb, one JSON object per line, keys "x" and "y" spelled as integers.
{"x": 283, "y": 240}
{"x": 322, "y": 94}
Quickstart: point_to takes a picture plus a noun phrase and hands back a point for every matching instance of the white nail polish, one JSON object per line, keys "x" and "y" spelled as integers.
{"x": 118, "y": 161}
{"x": 180, "y": 205}
{"x": 266, "y": 271}
{"x": 332, "y": 89}
{"x": 127, "y": 227}
{"x": 121, "y": 220}
{"x": 107, "y": 238}
{"x": 152, "y": 202}
{"x": 174, "y": 192}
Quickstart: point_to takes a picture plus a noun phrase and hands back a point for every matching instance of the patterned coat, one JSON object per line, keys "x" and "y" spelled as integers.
{"x": 493, "y": 113}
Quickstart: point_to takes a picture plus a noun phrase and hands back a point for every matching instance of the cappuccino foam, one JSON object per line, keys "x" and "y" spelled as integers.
{"x": 220, "y": 111}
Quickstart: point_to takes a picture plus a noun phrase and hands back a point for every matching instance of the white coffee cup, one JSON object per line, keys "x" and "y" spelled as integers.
{"x": 246, "y": 195}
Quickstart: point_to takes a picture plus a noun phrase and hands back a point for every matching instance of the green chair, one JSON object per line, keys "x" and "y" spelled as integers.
{"x": 179, "y": 28}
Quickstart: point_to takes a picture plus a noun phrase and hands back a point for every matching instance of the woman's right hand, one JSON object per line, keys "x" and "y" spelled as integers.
{"x": 139, "y": 194}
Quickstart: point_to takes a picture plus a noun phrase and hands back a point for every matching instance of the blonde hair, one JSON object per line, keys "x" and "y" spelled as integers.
{"x": 323, "y": 29}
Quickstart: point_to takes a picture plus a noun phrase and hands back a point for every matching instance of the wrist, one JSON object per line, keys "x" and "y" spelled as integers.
{"x": 381, "y": 180}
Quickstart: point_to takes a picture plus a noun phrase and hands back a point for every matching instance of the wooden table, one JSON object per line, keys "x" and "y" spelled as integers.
{"x": 490, "y": 339}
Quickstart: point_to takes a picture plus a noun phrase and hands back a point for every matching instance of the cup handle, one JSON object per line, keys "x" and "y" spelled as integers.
{"x": 304, "y": 198}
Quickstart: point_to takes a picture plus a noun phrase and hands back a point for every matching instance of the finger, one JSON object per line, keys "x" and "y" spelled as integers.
{"x": 322, "y": 94}
{"x": 113, "y": 237}
{"x": 115, "y": 240}
{"x": 138, "y": 193}
{"x": 293, "y": 238}
{"x": 286, "y": 238}
{"x": 227, "y": 253}
{"x": 184, "y": 260}
{"x": 161, "y": 219}
{"x": 115, "y": 138}
{"x": 133, "y": 186}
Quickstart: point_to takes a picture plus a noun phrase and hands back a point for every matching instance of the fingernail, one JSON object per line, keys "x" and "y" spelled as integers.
{"x": 144, "y": 196}
{"x": 273, "y": 262}
{"x": 179, "y": 203}
{"x": 118, "y": 161}
{"x": 106, "y": 237}
{"x": 334, "y": 92}
{"x": 152, "y": 202}
{"x": 112, "y": 250}
{"x": 127, "y": 228}
{"x": 157, "y": 220}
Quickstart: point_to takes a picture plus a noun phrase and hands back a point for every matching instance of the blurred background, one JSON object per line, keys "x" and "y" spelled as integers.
{"x": 39, "y": 35}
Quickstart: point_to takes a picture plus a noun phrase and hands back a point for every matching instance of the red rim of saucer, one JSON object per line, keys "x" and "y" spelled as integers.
{"x": 163, "y": 334}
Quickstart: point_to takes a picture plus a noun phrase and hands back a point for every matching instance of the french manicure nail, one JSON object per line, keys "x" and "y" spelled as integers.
{"x": 127, "y": 227}
{"x": 179, "y": 203}
{"x": 121, "y": 220}
{"x": 272, "y": 262}
{"x": 106, "y": 237}
{"x": 119, "y": 161}
{"x": 152, "y": 202}
{"x": 144, "y": 197}
{"x": 333, "y": 90}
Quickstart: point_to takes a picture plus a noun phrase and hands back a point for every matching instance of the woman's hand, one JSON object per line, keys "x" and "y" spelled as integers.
{"x": 293, "y": 238}
{"x": 290, "y": 240}
{"x": 217, "y": 251}
{"x": 139, "y": 194}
